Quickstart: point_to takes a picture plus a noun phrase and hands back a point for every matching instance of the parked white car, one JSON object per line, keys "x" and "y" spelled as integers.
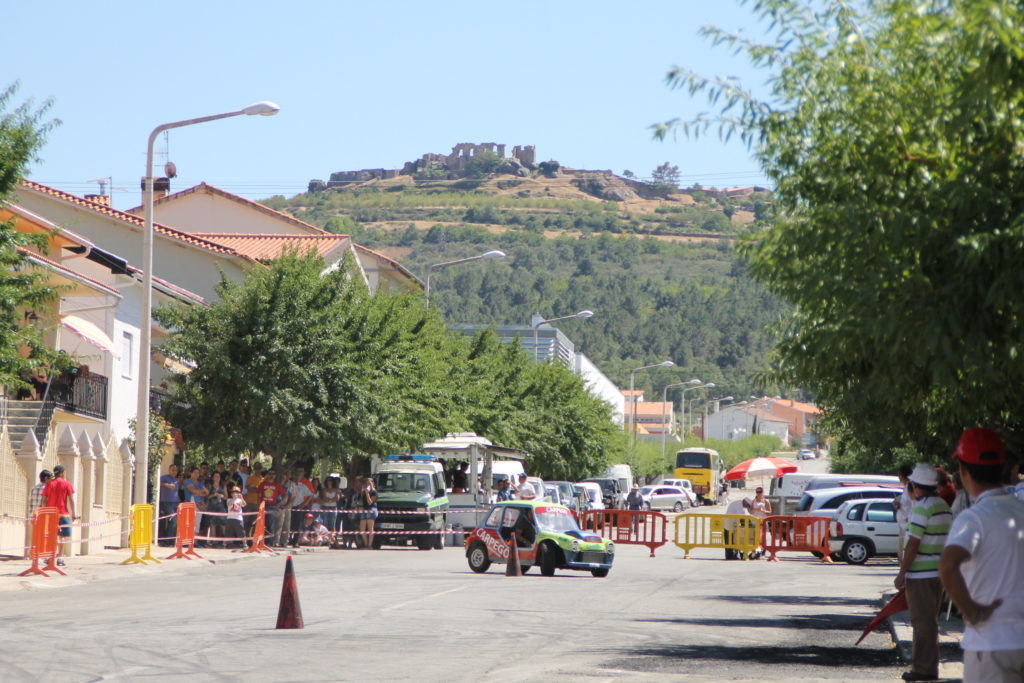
{"x": 685, "y": 485}
{"x": 825, "y": 502}
{"x": 665, "y": 498}
{"x": 595, "y": 498}
{"x": 863, "y": 529}
{"x": 805, "y": 454}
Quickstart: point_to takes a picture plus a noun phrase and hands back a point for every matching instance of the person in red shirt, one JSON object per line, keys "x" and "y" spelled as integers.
{"x": 58, "y": 493}
{"x": 273, "y": 494}
{"x": 946, "y": 490}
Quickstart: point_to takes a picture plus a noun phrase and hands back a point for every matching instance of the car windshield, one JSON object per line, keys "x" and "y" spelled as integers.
{"x": 693, "y": 460}
{"x": 556, "y": 519}
{"x": 402, "y": 482}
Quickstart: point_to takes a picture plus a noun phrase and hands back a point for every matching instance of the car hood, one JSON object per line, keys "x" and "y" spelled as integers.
{"x": 404, "y": 497}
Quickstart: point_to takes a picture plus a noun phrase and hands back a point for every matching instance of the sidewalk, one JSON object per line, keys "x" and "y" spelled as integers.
{"x": 106, "y": 565}
{"x": 951, "y": 667}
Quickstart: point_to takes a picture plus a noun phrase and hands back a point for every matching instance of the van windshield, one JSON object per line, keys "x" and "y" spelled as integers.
{"x": 693, "y": 460}
{"x": 402, "y": 482}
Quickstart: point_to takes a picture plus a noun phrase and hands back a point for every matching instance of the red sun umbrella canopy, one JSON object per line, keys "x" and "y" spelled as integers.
{"x": 760, "y": 467}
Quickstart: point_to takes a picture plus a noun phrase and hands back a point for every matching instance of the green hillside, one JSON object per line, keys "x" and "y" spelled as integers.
{"x": 660, "y": 272}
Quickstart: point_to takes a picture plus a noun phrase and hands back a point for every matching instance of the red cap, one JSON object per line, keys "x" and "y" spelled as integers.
{"x": 980, "y": 446}
{"x": 309, "y": 515}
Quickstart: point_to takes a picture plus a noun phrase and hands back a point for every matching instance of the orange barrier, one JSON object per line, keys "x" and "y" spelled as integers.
{"x": 141, "y": 537}
{"x": 630, "y": 527}
{"x": 259, "y": 532}
{"x": 796, "y": 533}
{"x": 44, "y": 542}
{"x": 186, "y": 533}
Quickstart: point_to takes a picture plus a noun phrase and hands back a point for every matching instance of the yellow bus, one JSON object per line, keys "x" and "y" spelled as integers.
{"x": 703, "y": 467}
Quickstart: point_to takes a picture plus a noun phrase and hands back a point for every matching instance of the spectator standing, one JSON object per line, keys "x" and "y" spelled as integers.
{"x": 460, "y": 478}
{"x": 903, "y": 505}
{"x": 170, "y": 497}
{"x": 195, "y": 492}
{"x": 369, "y": 518}
{"x": 505, "y": 490}
{"x": 330, "y": 497}
{"x": 59, "y": 493}
{"x": 525, "y": 490}
{"x": 760, "y": 507}
{"x": 927, "y": 529}
{"x": 217, "y": 502}
{"x": 234, "y": 519}
{"x": 982, "y": 566}
{"x": 35, "y": 496}
{"x": 946, "y": 491}
{"x": 731, "y": 527}
{"x": 252, "y": 488}
{"x": 300, "y": 493}
{"x": 634, "y": 501}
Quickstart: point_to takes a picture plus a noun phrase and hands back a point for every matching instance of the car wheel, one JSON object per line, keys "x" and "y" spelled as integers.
{"x": 600, "y": 573}
{"x": 478, "y": 560}
{"x": 548, "y": 559}
{"x": 678, "y": 507}
{"x": 525, "y": 567}
{"x": 856, "y": 551}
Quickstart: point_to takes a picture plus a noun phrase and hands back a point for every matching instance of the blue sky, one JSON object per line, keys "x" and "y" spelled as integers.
{"x": 364, "y": 85}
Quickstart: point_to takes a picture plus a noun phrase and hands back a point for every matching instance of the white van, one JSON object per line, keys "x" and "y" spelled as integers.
{"x": 506, "y": 469}
{"x": 793, "y": 485}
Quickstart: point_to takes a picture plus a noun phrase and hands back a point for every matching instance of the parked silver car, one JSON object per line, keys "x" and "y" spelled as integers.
{"x": 665, "y": 498}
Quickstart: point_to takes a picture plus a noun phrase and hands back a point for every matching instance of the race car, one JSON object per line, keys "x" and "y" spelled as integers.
{"x": 546, "y": 535}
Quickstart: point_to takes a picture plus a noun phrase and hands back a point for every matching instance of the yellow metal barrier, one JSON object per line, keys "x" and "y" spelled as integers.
{"x": 141, "y": 537}
{"x": 741, "y": 533}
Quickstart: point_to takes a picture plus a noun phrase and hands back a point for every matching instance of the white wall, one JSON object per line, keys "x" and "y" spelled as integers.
{"x": 601, "y": 387}
{"x": 204, "y": 212}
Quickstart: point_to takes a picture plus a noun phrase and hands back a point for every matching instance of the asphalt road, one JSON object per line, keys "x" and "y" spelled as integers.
{"x": 401, "y": 614}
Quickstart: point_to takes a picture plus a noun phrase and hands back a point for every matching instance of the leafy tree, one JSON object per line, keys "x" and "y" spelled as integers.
{"x": 22, "y": 132}
{"x": 298, "y": 362}
{"x": 549, "y": 168}
{"x": 666, "y": 174}
{"x": 892, "y": 134}
{"x": 482, "y": 163}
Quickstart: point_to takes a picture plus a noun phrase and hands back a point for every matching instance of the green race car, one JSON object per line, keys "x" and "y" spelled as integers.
{"x": 546, "y": 534}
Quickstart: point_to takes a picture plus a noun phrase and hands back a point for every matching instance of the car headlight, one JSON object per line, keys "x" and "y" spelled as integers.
{"x": 611, "y": 548}
{"x": 575, "y": 546}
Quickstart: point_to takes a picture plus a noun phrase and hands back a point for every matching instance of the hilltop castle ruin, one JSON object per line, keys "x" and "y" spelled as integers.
{"x": 452, "y": 165}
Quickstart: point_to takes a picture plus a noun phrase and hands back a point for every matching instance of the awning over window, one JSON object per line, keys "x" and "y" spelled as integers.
{"x": 91, "y": 333}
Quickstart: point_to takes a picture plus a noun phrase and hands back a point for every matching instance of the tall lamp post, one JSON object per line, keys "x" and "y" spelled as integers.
{"x": 709, "y": 385}
{"x": 632, "y": 410}
{"x": 142, "y": 409}
{"x": 536, "y": 350}
{"x": 481, "y": 257}
{"x": 664, "y": 400}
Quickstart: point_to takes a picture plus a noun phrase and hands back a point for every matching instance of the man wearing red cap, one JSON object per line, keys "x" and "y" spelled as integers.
{"x": 982, "y": 567}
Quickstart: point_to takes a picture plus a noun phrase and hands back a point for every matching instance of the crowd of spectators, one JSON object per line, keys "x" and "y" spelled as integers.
{"x": 298, "y": 510}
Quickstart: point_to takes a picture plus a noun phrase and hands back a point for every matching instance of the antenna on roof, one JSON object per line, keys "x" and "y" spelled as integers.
{"x": 109, "y": 180}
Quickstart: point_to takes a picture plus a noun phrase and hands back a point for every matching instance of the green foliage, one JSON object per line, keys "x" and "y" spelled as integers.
{"x": 549, "y": 168}
{"x": 732, "y": 452}
{"x": 482, "y": 163}
{"x": 22, "y": 289}
{"x": 645, "y": 459}
{"x": 297, "y": 362}
{"x": 893, "y": 136}
{"x": 159, "y": 438}
{"x": 666, "y": 174}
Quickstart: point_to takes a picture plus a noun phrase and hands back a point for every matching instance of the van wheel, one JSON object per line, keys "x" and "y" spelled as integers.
{"x": 856, "y": 551}
{"x": 424, "y": 542}
{"x": 478, "y": 560}
{"x": 547, "y": 560}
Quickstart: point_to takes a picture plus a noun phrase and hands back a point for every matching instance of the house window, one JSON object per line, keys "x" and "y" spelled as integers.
{"x": 127, "y": 355}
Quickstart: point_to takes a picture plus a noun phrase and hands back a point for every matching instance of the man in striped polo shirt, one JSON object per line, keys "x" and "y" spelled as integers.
{"x": 927, "y": 529}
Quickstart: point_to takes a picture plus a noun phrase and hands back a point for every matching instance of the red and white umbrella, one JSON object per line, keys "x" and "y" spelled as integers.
{"x": 754, "y": 467}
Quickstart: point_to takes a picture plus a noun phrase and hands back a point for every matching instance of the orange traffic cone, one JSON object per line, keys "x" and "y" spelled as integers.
{"x": 512, "y": 567}
{"x": 289, "y": 614}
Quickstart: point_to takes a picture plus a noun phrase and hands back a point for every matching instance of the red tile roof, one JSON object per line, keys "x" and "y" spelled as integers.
{"x": 210, "y": 189}
{"x": 131, "y": 219}
{"x": 263, "y": 247}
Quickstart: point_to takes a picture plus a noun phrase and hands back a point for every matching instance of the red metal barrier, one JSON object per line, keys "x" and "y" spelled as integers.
{"x": 630, "y": 527}
{"x": 259, "y": 532}
{"x": 44, "y": 542}
{"x": 796, "y": 533}
{"x": 186, "y": 533}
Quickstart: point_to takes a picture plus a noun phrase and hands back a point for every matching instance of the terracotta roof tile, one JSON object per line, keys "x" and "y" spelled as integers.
{"x": 130, "y": 218}
{"x": 262, "y": 247}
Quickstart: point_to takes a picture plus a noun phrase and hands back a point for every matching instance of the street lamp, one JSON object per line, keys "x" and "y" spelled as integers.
{"x": 664, "y": 400}
{"x": 709, "y": 385}
{"x": 431, "y": 269}
{"x": 632, "y": 410}
{"x": 145, "y": 338}
{"x": 536, "y": 350}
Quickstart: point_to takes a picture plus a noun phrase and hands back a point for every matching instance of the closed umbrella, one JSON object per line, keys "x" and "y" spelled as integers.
{"x": 761, "y": 466}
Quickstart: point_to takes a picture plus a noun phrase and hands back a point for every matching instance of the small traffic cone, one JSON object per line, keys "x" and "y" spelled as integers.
{"x": 289, "y": 614}
{"x": 512, "y": 567}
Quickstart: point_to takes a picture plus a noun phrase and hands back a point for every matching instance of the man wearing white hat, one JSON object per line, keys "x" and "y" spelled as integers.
{"x": 927, "y": 529}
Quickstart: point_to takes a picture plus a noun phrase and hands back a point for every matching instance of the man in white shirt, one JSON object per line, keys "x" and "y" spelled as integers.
{"x": 982, "y": 566}
{"x": 737, "y": 507}
{"x": 525, "y": 489}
